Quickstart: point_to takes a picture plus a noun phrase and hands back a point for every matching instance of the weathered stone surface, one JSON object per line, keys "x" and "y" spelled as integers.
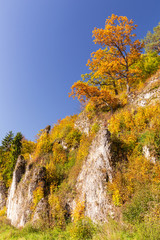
{"x": 41, "y": 212}
{"x": 148, "y": 155}
{"x": 83, "y": 123}
{"x": 3, "y": 195}
{"x": 150, "y": 93}
{"x": 20, "y": 198}
{"x": 91, "y": 182}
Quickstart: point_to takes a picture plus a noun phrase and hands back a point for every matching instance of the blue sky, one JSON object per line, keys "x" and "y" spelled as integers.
{"x": 44, "y": 48}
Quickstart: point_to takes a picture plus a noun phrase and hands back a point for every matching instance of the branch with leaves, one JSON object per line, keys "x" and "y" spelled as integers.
{"x": 100, "y": 97}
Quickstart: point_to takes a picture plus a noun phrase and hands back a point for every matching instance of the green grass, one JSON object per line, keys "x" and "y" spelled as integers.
{"x": 108, "y": 231}
{"x": 8, "y": 232}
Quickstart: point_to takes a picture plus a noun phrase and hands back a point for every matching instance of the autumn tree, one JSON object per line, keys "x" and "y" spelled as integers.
{"x": 102, "y": 76}
{"x": 152, "y": 40}
{"x": 112, "y": 66}
{"x": 100, "y": 97}
{"x": 118, "y": 54}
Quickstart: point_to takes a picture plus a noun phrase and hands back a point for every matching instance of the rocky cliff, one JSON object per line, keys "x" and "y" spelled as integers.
{"x": 95, "y": 173}
{"x": 3, "y": 195}
{"x": 20, "y": 197}
{"x": 90, "y": 186}
{"x": 91, "y": 183}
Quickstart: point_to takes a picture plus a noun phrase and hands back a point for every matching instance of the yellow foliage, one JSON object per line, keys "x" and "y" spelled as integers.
{"x": 78, "y": 212}
{"x": 62, "y": 128}
{"x": 116, "y": 198}
{"x": 138, "y": 172}
{"x": 90, "y": 109}
{"x": 135, "y": 128}
{"x": 38, "y": 194}
{"x": 57, "y": 210}
{"x": 59, "y": 154}
{"x": 134, "y": 122}
{"x": 3, "y": 211}
{"x": 50, "y": 170}
{"x": 43, "y": 145}
{"x": 83, "y": 149}
{"x": 28, "y": 148}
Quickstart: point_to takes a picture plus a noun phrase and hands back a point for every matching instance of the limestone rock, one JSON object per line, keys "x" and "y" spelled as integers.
{"x": 20, "y": 198}
{"x": 148, "y": 155}
{"x": 150, "y": 94}
{"x": 3, "y": 195}
{"x": 83, "y": 123}
{"x": 91, "y": 182}
{"x": 41, "y": 212}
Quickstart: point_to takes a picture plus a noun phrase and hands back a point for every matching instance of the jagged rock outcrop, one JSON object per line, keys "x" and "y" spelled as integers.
{"x": 150, "y": 94}
{"x": 3, "y": 195}
{"x": 20, "y": 197}
{"x": 83, "y": 123}
{"x": 148, "y": 155}
{"x": 95, "y": 173}
{"x": 41, "y": 212}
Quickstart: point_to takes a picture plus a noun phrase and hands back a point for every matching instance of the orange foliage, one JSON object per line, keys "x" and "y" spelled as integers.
{"x": 120, "y": 53}
{"x": 78, "y": 212}
{"x": 85, "y": 92}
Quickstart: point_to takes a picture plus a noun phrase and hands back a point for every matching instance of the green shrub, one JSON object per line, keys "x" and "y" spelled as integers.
{"x": 135, "y": 211}
{"x": 147, "y": 231}
{"x": 73, "y": 138}
{"x": 95, "y": 127}
{"x": 83, "y": 229}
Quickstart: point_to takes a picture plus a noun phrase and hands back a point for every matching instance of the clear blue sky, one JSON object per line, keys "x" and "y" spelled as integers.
{"x": 44, "y": 48}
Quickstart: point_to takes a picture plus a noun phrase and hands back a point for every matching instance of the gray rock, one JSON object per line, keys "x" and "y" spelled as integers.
{"x": 26, "y": 179}
{"x": 83, "y": 123}
{"x": 41, "y": 212}
{"x": 91, "y": 182}
{"x": 3, "y": 195}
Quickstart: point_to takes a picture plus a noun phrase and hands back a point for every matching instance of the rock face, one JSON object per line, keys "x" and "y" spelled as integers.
{"x": 20, "y": 198}
{"x": 83, "y": 123}
{"x": 148, "y": 155}
{"x": 90, "y": 187}
{"x": 3, "y": 195}
{"x": 150, "y": 94}
{"x": 95, "y": 173}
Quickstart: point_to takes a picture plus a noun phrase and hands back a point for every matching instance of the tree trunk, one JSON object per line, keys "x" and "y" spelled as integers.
{"x": 128, "y": 88}
{"x": 115, "y": 89}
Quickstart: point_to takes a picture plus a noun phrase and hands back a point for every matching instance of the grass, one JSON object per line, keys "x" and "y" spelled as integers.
{"x": 8, "y": 232}
{"x": 107, "y": 231}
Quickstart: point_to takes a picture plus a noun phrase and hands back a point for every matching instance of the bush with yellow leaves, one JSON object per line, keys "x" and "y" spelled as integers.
{"x": 82, "y": 227}
{"x": 133, "y": 130}
{"x": 28, "y": 148}
{"x": 38, "y": 194}
{"x": 43, "y": 145}
{"x": 57, "y": 211}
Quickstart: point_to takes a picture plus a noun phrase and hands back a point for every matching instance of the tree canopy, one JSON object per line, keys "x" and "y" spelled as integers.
{"x": 112, "y": 66}
{"x": 152, "y": 40}
{"x": 7, "y": 141}
{"x": 100, "y": 98}
{"x": 120, "y": 51}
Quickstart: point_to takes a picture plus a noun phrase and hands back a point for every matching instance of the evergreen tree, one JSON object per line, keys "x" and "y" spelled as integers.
{"x": 7, "y": 141}
{"x": 17, "y": 145}
{"x": 152, "y": 40}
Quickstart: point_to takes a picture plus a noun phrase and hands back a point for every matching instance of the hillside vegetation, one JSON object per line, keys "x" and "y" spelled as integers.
{"x": 114, "y": 95}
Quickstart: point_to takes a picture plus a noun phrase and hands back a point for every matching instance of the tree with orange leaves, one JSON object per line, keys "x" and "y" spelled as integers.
{"x": 100, "y": 97}
{"x": 114, "y": 63}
